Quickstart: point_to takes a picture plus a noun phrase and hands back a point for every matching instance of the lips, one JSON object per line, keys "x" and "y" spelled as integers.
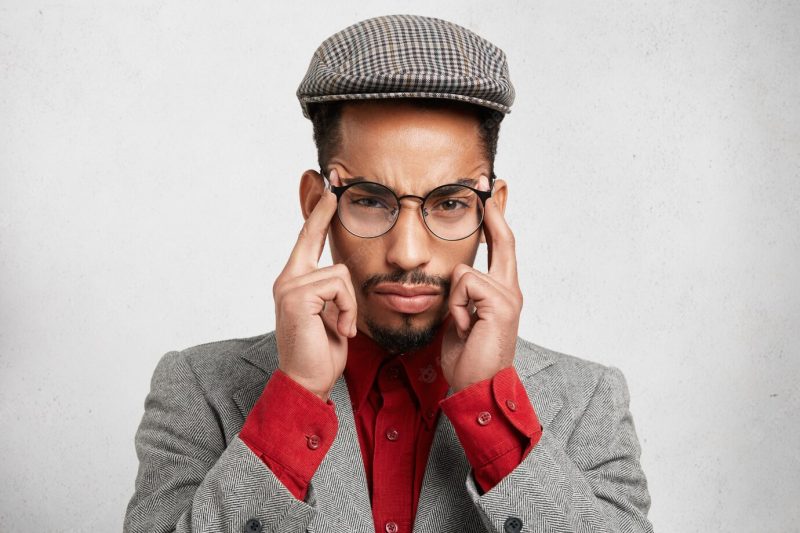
{"x": 407, "y": 299}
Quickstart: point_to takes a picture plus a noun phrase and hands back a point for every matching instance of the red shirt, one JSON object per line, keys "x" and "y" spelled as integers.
{"x": 396, "y": 402}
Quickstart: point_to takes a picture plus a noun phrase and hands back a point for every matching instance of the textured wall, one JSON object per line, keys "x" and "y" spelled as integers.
{"x": 653, "y": 157}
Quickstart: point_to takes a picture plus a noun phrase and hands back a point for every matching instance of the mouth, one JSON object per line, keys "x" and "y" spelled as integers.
{"x": 407, "y": 299}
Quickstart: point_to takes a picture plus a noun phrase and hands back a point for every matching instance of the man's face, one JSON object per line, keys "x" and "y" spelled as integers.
{"x": 410, "y": 150}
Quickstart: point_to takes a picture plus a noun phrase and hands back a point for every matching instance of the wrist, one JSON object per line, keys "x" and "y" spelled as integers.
{"x": 467, "y": 381}
{"x": 311, "y": 386}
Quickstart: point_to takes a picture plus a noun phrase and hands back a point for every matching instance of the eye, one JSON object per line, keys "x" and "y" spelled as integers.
{"x": 369, "y": 202}
{"x": 451, "y": 205}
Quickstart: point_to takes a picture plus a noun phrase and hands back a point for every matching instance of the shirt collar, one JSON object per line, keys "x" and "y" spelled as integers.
{"x": 422, "y": 368}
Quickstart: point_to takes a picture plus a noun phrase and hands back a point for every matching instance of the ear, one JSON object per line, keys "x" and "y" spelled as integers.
{"x": 499, "y": 194}
{"x": 312, "y": 185}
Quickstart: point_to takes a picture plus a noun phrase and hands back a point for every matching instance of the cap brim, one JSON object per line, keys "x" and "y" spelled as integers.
{"x": 305, "y": 100}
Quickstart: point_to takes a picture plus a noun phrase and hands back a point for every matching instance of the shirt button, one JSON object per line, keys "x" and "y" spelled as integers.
{"x": 312, "y": 441}
{"x": 484, "y": 418}
{"x": 394, "y": 372}
{"x": 391, "y": 527}
{"x": 392, "y": 434}
{"x": 511, "y": 404}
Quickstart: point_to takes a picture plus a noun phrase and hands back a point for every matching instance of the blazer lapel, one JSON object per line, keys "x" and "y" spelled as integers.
{"x": 340, "y": 483}
{"x": 443, "y": 500}
{"x": 444, "y": 503}
{"x": 539, "y": 384}
{"x": 339, "y": 486}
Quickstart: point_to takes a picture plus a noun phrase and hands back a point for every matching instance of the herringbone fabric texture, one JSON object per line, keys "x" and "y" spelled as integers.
{"x": 195, "y": 474}
{"x": 407, "y": 56}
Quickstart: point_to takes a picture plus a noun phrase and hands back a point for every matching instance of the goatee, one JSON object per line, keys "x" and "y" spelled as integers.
{"x": 404, "y": 339}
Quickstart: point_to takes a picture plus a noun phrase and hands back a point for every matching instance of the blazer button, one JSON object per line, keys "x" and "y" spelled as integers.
{"x": 512, "y": 525}
{"x": 253, "y": 526}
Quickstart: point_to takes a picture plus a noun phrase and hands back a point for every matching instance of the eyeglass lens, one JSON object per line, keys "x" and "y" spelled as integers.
{"x": 451, "y": 212}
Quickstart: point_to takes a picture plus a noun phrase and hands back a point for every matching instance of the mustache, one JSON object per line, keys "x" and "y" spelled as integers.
{"x": 406, "y": 277}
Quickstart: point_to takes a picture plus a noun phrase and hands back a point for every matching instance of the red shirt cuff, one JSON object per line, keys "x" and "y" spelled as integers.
{"x": 291, "y": 430}
{"x": 496, "y": 425}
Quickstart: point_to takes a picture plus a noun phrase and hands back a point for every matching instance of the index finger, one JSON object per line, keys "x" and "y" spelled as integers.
{"x": 500, "y": 244}
{"x": 311, "y": 240}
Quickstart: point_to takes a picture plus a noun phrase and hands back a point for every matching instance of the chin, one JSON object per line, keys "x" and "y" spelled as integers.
{"x": 399, "y": 333}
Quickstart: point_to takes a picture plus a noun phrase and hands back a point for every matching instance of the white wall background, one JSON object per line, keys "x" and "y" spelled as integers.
{"x": 149, "y": 158}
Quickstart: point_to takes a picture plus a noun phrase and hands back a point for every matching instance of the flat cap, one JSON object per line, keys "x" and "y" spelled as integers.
{"x": 407, "y": 56}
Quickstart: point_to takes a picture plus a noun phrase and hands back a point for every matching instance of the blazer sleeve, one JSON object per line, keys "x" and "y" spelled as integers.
{"x": 594, "y": 483}
{"x": 189, "y": 480}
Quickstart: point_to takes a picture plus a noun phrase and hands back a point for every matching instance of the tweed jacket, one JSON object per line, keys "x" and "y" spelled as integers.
{"x": 195, "y": 474}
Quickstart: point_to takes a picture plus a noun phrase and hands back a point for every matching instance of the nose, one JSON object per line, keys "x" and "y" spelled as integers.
{"x": 408, "y": 243}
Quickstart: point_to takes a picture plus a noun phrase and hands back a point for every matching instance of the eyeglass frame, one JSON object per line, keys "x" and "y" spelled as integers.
{"x": 339, "y": 191}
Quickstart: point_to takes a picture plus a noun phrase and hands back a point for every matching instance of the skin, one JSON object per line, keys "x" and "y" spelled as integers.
{"x": 412, "y": 151}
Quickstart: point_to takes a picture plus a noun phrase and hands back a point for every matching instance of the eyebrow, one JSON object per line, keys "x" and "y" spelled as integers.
{"x": 356, "y": 179}
{"x": 471, "y": 182}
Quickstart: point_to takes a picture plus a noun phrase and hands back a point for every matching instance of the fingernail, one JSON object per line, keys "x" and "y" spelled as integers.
{"x": 334, "y": 176}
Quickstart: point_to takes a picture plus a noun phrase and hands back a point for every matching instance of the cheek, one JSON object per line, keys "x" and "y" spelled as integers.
{"x": 459, "y": 253}
{"x": 361, "y": 256}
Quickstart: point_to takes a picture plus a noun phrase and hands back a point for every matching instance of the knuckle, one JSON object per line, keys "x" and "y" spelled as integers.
{"x": 290, "y": 294}
{"x": 461, "y": 268}
{"x": 508, "y": 238}
{"x": 308, "y": 232}
{"x": 471, "y": 276}
{"x": 459, "y": 271}
{"x": 277, "y": 287}
{"x": 277, "y": 293}
{"x": 341, "y": 270}
{"x": 466, "y": 279}
{"x": 512, "y": 239}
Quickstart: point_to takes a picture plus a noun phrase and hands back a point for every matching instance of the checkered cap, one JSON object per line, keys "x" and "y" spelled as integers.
{"x": 407, "y": 56}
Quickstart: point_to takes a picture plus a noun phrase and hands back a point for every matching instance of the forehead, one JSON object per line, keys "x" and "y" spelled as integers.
{"x": 409, "y": 148}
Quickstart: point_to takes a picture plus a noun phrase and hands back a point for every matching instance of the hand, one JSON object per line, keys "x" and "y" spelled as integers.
{"x": 480, "y": 343}
{"x": 315, "y": 308}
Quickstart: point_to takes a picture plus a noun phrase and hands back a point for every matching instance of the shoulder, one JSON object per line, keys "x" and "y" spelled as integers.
{"x": 222, "y": 365}
{"x": 532, "y": 358}
{"x": 575, "y": 379}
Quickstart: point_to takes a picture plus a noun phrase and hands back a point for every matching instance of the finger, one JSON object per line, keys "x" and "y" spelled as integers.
{"x": 311, "y": 240}
{"x": 338, "y": 270}
{"x": 345, "y": 302}
{"x": 500, "y": 244}
{"x": 462, "y": 269}
{"x": 315, "y": 294}
{"x": 470, "y": 287}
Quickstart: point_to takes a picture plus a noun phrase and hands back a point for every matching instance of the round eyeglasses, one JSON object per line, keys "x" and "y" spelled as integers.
{"x": 452, "y": 212}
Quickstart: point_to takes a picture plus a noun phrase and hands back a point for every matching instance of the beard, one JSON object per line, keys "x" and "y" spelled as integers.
{"x": 403, "y": 339}
{"x": 406, "y": 338}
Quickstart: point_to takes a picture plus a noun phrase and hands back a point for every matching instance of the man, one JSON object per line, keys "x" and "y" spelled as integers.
{"x": 394, "y": 393}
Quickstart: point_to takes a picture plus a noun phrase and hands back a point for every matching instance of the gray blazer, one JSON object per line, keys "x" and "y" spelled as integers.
{"x": 195, "y": 474}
